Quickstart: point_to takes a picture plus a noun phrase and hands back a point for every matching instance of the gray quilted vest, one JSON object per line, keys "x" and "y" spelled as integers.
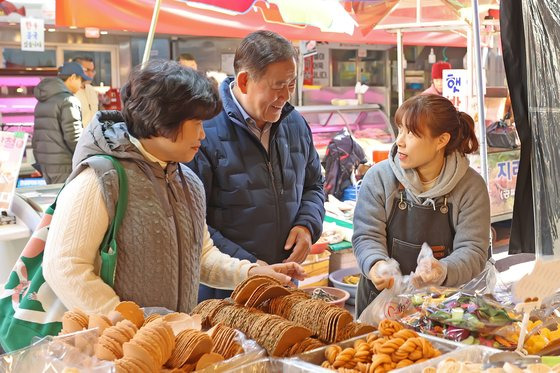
{"x": 160, "y": 239}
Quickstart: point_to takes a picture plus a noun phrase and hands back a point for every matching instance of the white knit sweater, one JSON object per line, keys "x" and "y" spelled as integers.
{"x": 71, "y": 262}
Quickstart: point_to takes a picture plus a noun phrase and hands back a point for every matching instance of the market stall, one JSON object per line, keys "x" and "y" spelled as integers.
{"x": 266, "y": 326}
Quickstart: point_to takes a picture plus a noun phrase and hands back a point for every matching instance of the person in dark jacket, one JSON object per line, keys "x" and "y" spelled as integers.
{"x": 260, "y": 170}
{"x": 58, "y": 122}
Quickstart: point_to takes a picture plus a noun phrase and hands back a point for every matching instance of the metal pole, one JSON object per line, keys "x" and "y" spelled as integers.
{"x": 480, "y": 94}
{"x": 470, "y": 68}
{"x": 151, "y": 33}
{"x": 400, "y": 73}
{"x": 300, "y": 68}
{"x": 418, "y": 11}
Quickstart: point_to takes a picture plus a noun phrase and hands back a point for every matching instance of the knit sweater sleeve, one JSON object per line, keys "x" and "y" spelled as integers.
{"x": 219, "y": 270}
{"x": 71, "y": 259}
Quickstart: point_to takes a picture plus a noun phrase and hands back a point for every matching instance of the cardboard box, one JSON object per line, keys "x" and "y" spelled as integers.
{"x": 317, "y": 268}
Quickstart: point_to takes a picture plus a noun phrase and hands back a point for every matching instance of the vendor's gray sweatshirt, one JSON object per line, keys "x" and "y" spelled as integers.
{"x": 470, "y": 213}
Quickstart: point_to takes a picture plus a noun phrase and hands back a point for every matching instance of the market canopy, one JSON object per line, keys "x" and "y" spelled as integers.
{"x": 362, "y": 22}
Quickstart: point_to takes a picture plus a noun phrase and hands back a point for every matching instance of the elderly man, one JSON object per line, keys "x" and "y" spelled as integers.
{"x": 260, "y": 170}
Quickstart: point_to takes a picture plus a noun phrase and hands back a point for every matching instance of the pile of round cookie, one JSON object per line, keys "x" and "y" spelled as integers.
{"x": 172, "y": 342}
{"x": 285, "y": 322}
{"x": 275, "y": 334}
{"x": 391, "y": 348}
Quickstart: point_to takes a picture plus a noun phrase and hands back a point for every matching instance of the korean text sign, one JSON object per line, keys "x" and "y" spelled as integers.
{"x": 32, "y": 34}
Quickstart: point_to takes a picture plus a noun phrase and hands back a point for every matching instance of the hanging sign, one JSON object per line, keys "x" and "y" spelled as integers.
{"x": 12, "y": 146}
{"x": 32, "y": 34}
{"x": 456, "y": 88}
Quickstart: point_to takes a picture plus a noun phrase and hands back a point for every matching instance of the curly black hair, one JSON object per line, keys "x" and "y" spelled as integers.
{"x": 162, "y": 94}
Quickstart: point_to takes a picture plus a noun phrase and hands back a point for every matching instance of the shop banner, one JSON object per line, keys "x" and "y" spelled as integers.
{"x": 32, "y": 34}
{"x": 456, "y": 88}
{"x": 503, "y": 168}
{"x": 12, "y": 146}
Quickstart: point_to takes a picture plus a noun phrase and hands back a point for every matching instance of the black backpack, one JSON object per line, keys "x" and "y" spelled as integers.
{"x": 343, "y": 155}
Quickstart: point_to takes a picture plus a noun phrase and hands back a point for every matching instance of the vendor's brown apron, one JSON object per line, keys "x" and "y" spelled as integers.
{"x": 409, "y": 226}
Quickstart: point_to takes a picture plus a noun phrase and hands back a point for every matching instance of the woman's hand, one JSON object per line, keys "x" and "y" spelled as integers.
{"x": 283, "y": 272}
{"x": 378, "y": 275}
{"x": 430, "y": 271}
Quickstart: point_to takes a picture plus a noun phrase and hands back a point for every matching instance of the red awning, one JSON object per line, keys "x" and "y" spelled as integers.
{"x": 178, "y": 18}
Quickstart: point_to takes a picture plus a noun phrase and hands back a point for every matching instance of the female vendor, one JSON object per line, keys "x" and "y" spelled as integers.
{"x": 424, "y": 192}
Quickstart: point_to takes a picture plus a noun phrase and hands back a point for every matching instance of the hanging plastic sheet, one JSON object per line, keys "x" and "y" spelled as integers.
{"x": 542, "y": 26}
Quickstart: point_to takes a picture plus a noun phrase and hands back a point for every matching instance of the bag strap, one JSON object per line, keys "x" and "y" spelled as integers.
{"x": 108, "y": 248}
{"x": 120, "y": 209}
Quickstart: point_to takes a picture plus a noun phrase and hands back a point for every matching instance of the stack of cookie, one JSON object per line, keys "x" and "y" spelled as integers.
{"x": 138, "y": 344}
{"x": 74, "y": 321}
{"x": 110, "y": 344}
{"x": 307, "y": 344}
{"x": 150, "y": 348}
{"x": 191, "y": 345}
{"x": 275, "y": 334}
{"x": 328, "y": 322}
{"x": 225, "y": 341}
{"x": 258, "y": 289}
{"x": 207, "y": 309}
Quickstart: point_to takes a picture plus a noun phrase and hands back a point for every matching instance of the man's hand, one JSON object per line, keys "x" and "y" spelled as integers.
{"x": 300, "y": 240}
{"x": 379, "y": 279}
{"x": 283, "y": 272}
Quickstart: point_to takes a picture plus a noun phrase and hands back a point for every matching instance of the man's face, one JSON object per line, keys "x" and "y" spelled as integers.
{"x": 189, "y": 63}
{"x": 267, "y": 95}
{"x": 89, "y": 68}
{"x": 74, "y": 83}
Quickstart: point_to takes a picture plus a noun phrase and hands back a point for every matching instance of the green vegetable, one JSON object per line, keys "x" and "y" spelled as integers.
{"x": 457, "y": 314}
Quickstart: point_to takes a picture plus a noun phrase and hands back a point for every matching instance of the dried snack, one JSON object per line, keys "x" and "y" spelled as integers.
{"x": 74, "y": 321}
{"x": 131, "y": 311}
{"x": 101, "y": 322}
{"x": 398, "y": 348}
{"x": 244, "y": 290}
{"x": 208, "y": 359}
{"x": 109, "y": 346}
{"x": 190, "y": 345}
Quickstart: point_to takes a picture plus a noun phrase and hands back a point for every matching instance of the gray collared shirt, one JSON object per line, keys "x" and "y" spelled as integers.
{"x": 264, "y": 134}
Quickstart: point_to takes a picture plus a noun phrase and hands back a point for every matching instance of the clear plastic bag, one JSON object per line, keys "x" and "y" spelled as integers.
{"x": 57, "y": 354}
{"x": 485, "y": 282}
{"x": 428, "y": 271}
{"x": 388, "y": 304}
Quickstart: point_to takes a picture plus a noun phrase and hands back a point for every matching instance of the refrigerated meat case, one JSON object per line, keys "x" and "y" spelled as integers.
{"x": 368, "y": 123}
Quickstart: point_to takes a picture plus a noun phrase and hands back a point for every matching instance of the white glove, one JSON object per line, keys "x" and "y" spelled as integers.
{"x": 430, "y": 271}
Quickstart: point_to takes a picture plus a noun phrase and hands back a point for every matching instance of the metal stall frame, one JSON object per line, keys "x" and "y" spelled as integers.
{"x": 472, "y": 34}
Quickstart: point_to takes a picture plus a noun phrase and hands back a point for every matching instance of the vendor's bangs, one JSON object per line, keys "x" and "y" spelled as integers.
{"x": 416, "y": 117}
